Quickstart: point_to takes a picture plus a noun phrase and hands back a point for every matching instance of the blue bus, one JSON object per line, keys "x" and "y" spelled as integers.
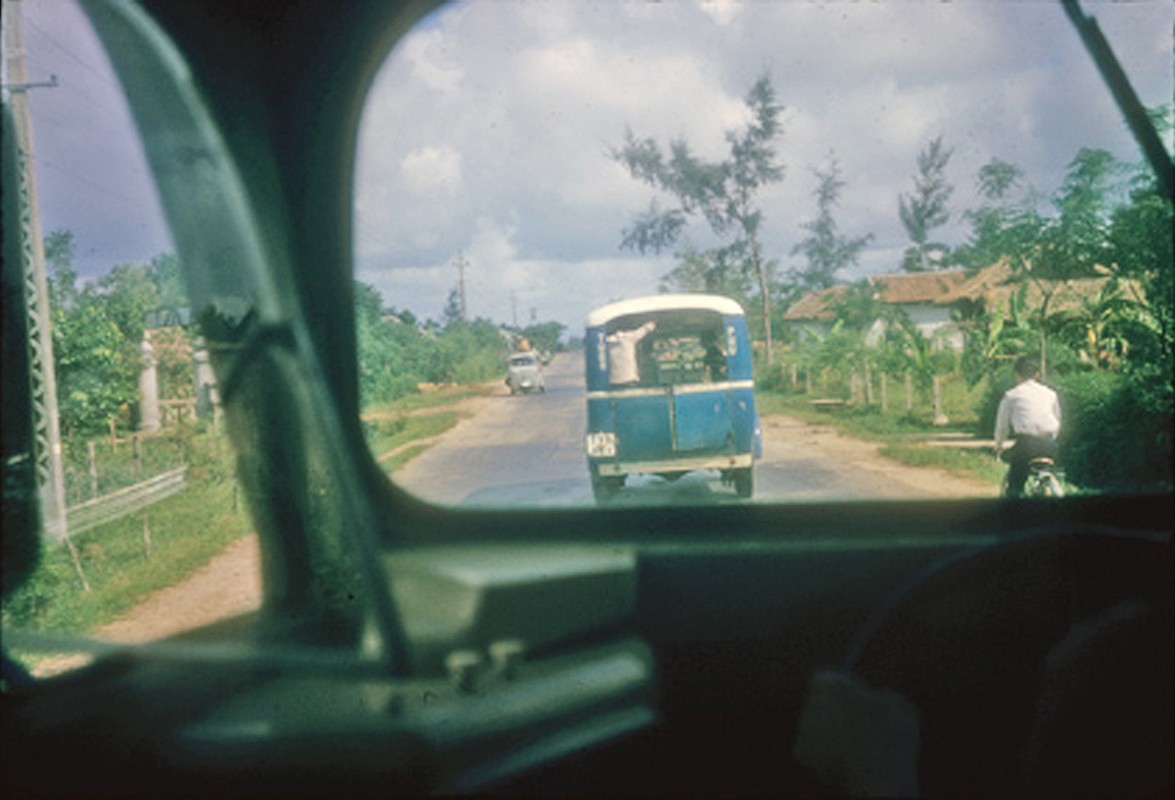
{"x": 670, "y": 391}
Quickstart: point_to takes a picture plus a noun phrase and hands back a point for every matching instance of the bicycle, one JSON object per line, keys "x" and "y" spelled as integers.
{"x": 1045, "y": 479}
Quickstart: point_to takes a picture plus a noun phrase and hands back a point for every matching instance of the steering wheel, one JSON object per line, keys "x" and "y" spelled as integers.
{"x": 986, "y": 645}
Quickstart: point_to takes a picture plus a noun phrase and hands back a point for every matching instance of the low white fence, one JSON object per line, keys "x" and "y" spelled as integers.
{"x": 110, "y": 507}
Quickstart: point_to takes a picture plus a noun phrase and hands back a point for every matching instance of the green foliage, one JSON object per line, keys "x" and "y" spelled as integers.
{"x": 991, "y": 220}
{"x": 395, "y": 355}
{"x": 1104, "y": 329}
{"x": 129, "y": 293}
{"x": 716, "y": 271}
{"x": 115, "y": 465}
{"x": 98, "y": 330}
{"x": 911, "y": 351}
{"x": 1116, "y": 438}
{"x": 925, "y": 209}
{"x": 467, "y": 353}
{"x": 995, "y": 337}
{"x": 172, "y": 348}
{"x": 1141, "y": 249}
{"x": 858, "y": 306}
{"x": 59, "y": 249}
{"x": 185, "y": 530}
{"x": 95, "y": 374}
{"x": 1075, "y": 241}
{"x": 544, "y": 336}
{"x": 168, "y": 276}
{"x": 390, "y": 361}
{"x": 826, "y": 249}
{"x": 723, "y": 193}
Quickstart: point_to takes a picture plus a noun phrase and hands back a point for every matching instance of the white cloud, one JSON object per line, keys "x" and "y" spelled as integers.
{"x": 510, "y": 109}
{"x": 432, "y": 61}
{"x": 721, "y": 11}
{"x": 432, "y": 169}
{"x": 488, "y": 129}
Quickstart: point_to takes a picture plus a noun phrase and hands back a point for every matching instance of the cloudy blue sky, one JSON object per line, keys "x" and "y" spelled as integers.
{"x": 488, "y": 130}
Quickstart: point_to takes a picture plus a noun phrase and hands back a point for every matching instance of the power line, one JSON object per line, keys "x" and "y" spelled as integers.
{"x": 98, "y": 73}
{"x": 73, "y": 90}
{"x": 367, "y": 233}
{"x": 105, "y": 191}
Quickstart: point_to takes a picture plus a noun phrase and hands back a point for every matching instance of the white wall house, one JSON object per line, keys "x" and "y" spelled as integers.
{"x": 916, "y": 294}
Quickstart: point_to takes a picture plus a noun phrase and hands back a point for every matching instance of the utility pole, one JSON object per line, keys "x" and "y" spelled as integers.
{"x": 514, "y": 307}
{"x": 461, "y": 265}
{"x": 42, "y": 376}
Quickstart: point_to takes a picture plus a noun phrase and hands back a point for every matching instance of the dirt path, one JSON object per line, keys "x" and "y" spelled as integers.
{"x": 230, "y": 583}
{"x": 828, "y": 443}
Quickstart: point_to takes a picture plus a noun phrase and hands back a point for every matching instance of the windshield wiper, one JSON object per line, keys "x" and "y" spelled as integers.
{"x": 1124, "y": 95}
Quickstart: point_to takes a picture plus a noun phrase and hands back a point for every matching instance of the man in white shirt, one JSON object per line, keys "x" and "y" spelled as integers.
{"x": 1029, "y": 413}
{"x": 622, "y": 357}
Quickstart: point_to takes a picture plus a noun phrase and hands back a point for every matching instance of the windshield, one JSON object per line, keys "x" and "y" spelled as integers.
{"x": 898, "y": 201}
{"x": 137, "y": 477}
{"x": 676, "y": 254}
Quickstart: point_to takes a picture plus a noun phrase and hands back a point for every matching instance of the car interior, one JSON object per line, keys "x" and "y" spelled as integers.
{"x": 407, "y": 648}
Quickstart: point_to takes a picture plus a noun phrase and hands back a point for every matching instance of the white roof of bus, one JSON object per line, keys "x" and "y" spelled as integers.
{"x": 664, "y": 302}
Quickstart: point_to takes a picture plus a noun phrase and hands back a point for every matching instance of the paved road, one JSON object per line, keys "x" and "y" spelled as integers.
{"x": 528, "y": 450}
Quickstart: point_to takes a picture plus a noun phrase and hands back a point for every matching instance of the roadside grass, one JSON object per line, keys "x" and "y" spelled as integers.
{"x": 441, "y": 396}
{"x": 900, "y": 434}
{"x": 185, "y": 531}
{"x": 130, "y": 558}
{"x": 980, "y": 465}
{"x": 385, "y": 435}
{"x": 401, "y": 458}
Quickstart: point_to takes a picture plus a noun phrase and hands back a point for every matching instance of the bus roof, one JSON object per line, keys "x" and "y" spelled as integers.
{"x": 664, "y": 302}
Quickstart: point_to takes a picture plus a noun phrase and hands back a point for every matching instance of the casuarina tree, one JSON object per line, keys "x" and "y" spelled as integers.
{"x": 725, "y": 194}
{"x": 925, "y": 209}
{"x": 826, "y": 249}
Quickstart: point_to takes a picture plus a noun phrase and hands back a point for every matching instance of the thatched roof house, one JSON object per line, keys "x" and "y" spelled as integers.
{"x": 928, "y": 298}
{"x": 915, "y": 293}
{"x": 992, "y": 287}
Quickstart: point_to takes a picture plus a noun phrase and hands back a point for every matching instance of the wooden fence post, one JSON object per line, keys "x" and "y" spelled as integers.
{"x": 146, "y": 535}
{"x": 137, "y": 450}
{"x": 77, "y": 564}
{"x": 909, "y": 393}
{"x": 884, "y": 393}
{"x": 940, "y": 417}
{"x": 793, "y": 377}
{"x": 868, "y": 386}
{"x": 92, "y": 459}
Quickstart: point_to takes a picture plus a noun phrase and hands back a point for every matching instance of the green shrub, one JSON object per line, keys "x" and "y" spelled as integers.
{"x": 1113, "y": 439}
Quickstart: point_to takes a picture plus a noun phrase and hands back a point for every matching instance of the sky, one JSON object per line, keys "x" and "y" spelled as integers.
{"x": 487, "y": 132}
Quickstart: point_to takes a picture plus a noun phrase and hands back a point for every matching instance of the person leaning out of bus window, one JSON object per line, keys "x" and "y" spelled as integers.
{"x": 622, "y": 355}
{"x": 714, "y": 358}
{"x": 1029, "y": 414}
